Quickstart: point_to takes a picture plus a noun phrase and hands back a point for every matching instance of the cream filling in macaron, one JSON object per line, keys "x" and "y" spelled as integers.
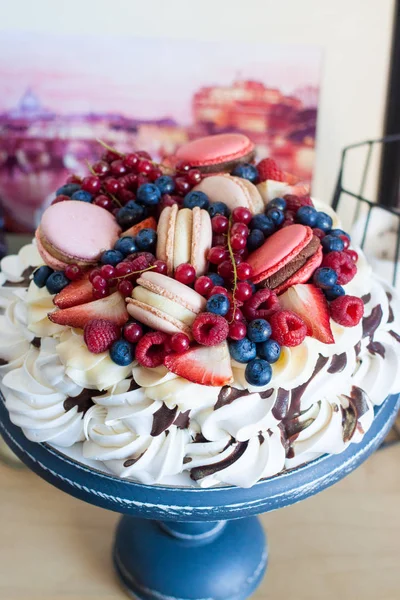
{"x": 164, "y": 304}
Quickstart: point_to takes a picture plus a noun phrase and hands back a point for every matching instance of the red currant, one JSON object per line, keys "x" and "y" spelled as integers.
{"x": 107, "y": 272}
{"x": 234, "y": 314}
{"x": 225, "y": 269}
{"x": 240, "y": 229}
{"x": 203, "y": 286}
{"x": 98, "y": 294}
{"x": 94, "y": 274}
{"x": 125, "y": 196}
{"x": 241, "y": 215}
{"x": 103, "y": 201}
{"x": 345, "y": 241}
{"x": 99, "y": 283}
{"x": 131, "y": 161}
{"x": 118, "y": 168}
{"x": 238, "y": 242}
{"x": 123, "y": 269}
{"x": 194, "y": 176}
{"x": 244, "y": 271}
{"x": 244, "y": 291}
{"x": 91, "y": 184}
{"x": 218, "y": 289}
{"x": 111, "y": 185}
{"x": 237, "y": 330}
{"x": 317, "y": 232}
{"x": 155, "y": 173}
{"x": 160, "y": 266}
{"x": 220, "y": 224}
{"x": 101, "y": 168}
{"x": 179, "y": 342}
{"x": 73, "y": 272}
{"x": 185, "y": 273}
{"x": 110, "y": 155}
{"x": 217, "y": 254}
{"x": 143, "y": 154}
{"x": 144, "y": 166}
{"x": 133, "y": 332}
{"x": 74, "y": 179}
{"x": 183, "y": 167}
{"x": 60, "y": 198}
{"x": 182, "y": 185}
{"x": 125, "y": 288}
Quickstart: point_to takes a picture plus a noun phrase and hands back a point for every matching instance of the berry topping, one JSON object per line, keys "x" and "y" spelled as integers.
{"x": 220, "y": 224}
{"x": 309, "y": 302}
{"x": 243, "y": 350}
{"x": 149, "y": 223}
{"x": 277, "y": 203}
{"x": 343, "y": 264}
{"x": 196, "y": 198}
{"x": 258, "y": 372}
{"x": 332, "y": 243}
{"x": 75, "y": 293}
{"x": 218, "y": 304}
{"x": 319, "y": 233}
{"x": 276, "y": 215}
{"x": 73, "y": 272}
{"x": 203, "y": 285}
{"x": 132, "y": 332}
{"x": 244, "y": 271}
{"x": 325, "y": 278}
{"x": 334, "y": 292}
{"x": 68, "y": 189}
{"x": 165, "y": 184}
{"x": 339, "y": 233}
{"x": 56, "y": 282}
{"x": 41, "y": 275}
{"x": 160, "y": 266}
{"x": 111, "y": 257}
{"x": 122, "y": 353}
{"x": 347, "y": 310}
{"x": 146, "y": 240}
{"x": 287, "y": 328}
{"x": 237, "y": 330}
{"x": 111, "y": 308}
{"x": 268, "y": 169}
{"x": 61, "y": 198}
{"x": 82, "y": 196}
{"x": 262, "y": 304}
{"x": 293, "y": 203}
{"x": 307, "y": 215}
{"x": 209, "y": 329}
{"x": 263, "y": 223}
{"x": 352, "y": 253}
{"x": 126, "y": 245}
{"x": 217, "y": 255}
{"x": 255, "y": 240}
{"x": 148, "y": 194}
{"x": 91, "y": 184}
{"x": 324, "y": 221}
{"x": 258, "y": 330}
{"x": 269, "y": 350}
{"x": 182, "y": 186}
{"x": 216, "y": 279}
{"x": 100, "y": 334}
{"x": 179, "y": 343}
{"x": 244, "y": 291}
{"x": 130, "y": 214}
{"x": 185, "y": 273}
{"x": 206, "y": 366}
{"x": 242, "y": 215}
{"x": 246, "y": 171}
{"x": 218, "y": 289}
{"x": 218, "y": 208}
{"x": 345, "y": 240}
{"x": 125, "y": 288}
{"x": 152, "y": 349}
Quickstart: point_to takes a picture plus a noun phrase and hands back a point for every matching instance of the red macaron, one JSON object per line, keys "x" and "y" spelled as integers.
{"x": 217, "y": 153}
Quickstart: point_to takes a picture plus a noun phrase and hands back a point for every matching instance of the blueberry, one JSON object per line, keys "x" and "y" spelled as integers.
{"x": 331, "y": 243}
{"x": 41, "y": 275}
{"x": 258, "y": 330}
{"x": 338, "y": 232}
{"x": 243, "y": 350}
{"x": 216, "y": 279}
{"x": 130, "y": 214}
{"x": 277, "y": 203}
{"x": 56, "y": 282}
{"x": 334, "y": 292}
{"x": 148, "y": 194}
{"x": 126, "y": 245}
{"x": 264, "y": 223}
{"x": 146, "y": 239}
{"x": 276, "y": 215}
{"x": 82, "y": 196}
{"x": 258, "y": 372}
{"x": 325, "y": 277}
{"x": 246, "y": 171}
{"x": 68, "y": 189}
{"x": 324, "y": 221}
{"x": 122, "y": 353}
{"x": 307, "y": 215}
{"x": 111, "y": 257}
{"x": 218, "y": 208}
{"x": 165, "y": 184}
{"x": 218, "y": 304}
{"x": 196, "y": 198}
{"x": 255, "y": 240}
{"x": 269, "y": 350}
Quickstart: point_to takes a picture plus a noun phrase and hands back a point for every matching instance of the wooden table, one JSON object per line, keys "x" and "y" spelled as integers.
{"x": 342, "y": 544}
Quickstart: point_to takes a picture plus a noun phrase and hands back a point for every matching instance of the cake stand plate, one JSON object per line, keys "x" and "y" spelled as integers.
{"x": 181, "y": 543}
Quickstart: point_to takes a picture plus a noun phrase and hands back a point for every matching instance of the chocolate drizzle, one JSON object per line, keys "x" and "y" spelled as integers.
{"x": 370, "y": 324}
{"x": 266, "y": 393}
{"x": 83, "y": 401}
{"x": 207, "y": 470}
{"x": 338, "y": 363}
{"x": 297, "y": 393}
{"x": 358, "y": 406}
{"x": 376, "y": 348}
{"x": 395, "y": 335}
{"x": 3, "y": 362}
{"x": 182, "y": 421}
{"x": 133, "y": 386}
{"x": 357, "y": 348}
{"x": 25, "y": 281}
{"x": 37, "y": 341}
{"x": 162, "y": 419}
{"x": 229, "y": 394}
{"x": 131, "y": 461}
{"x": 281, "y": 406}
{"x": 366, "y": 298}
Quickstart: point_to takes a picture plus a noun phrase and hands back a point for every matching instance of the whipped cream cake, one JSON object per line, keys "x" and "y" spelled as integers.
{"x": 197, "y": 322}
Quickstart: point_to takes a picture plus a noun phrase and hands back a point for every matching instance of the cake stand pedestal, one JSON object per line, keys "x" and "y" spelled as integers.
{"x": 192, "y": 543}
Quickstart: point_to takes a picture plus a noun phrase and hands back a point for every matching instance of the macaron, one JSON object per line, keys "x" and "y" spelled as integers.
{"x": 184, "y": 236}
{"x": 74, "y": 232}
{"x": 164, "y": 304}
{"x": 286, "y": 258}
{"x": 233, "y": 191}
{"x": 217, "y": 153}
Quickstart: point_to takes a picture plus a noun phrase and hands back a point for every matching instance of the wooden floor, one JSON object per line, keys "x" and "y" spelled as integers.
{"x": 343, "y": 544}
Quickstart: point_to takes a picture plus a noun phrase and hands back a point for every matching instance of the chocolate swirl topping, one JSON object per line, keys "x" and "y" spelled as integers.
{"x": 37, "y": 341}
{"x": 297, "y": 393}
{"x": 376, "y": 348}
{"x": 162, "y": 419}
{"x": 281, "y": 406}
{"x": 370, "y": 324}
{"x": 229, "y": 394}
{"x": 358, "y": 406}
{"x": 83, "y": 401}
{"x": 395, "y": 335}
{"x": 131, "y": 461}
{"x": 25, "y": 278}
{"x": 366, "y": 298}
{"x": 338, "y": 363}
{"x": 182, "y": 421}
{"x": 3, "y": 362}
{"x": 199, "y": 472}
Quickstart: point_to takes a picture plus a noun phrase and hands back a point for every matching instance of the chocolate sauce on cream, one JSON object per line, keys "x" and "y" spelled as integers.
{"x": 338, "y": 363}
{"x": 281, "y": 406}
{"x": 297, "y": 393}
{"x": 395, "y": 335}
{"x": 83, "y": 401}
{"x": 229, "y": 394}
{"x": 36, "y": 342}
{"x": 207, "y": 470}
{"x": 371, "y": 323}
{"x": 3, "y": 362}
{"x": 366, "y": 298}
{"x": 182, "y": 421}
{"x": 376, "y": 348}
{"x": 131, "y": 461}
{"x": 25, "y": 278}
{"x": 162, "y": 419}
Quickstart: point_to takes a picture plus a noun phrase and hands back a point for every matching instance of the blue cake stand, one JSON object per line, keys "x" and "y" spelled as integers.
{"x": 190, "y": 543}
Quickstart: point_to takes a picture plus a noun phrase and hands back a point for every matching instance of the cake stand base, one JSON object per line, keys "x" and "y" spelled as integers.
{"x": 220, "y": 560}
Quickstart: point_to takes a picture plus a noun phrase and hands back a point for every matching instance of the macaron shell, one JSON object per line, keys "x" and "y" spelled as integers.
{"x": 172, "y": 289}
{"x": 170, "y": 307}
{"x": 215, "y": 149}
{"x": 227, "y": 189}
{"x": 74, "y": 231}
{"x": 183, "y": 237}
{"x": 165, "y": 236}
{"x": 279, "y": 249}
{"x": 154, "y": 318}
{"x": 303, "y": 274}
{"x": 201, "y": 240}
{"x": 48, "y": 259}
{"x": 255, "y": 196}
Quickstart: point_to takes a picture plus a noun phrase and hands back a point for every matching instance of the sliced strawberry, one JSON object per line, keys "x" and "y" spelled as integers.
{"x": 268, "y": 169}
{"x": 204, "y": 365}
{"x": 309, "y": 302}
{"x": 289, "y": 178}
{"x": 112, "y": 308}
{"x": 76, "y": 292}
{"x": 149, "y": 223}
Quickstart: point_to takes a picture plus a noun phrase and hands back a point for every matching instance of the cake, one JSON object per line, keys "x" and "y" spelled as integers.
{"x": 197, "y": 322}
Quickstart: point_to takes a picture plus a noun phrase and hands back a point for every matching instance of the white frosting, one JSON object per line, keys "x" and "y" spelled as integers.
{"x": 40, "y": 303}
{"x": 13, "y": 266}
{"x": 15, "y": 337}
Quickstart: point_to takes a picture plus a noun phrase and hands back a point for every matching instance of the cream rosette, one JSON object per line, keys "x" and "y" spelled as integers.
{"x": 40, "y": 303}
{"x": 13, "y": 266}
{"x": 15, "y": 337}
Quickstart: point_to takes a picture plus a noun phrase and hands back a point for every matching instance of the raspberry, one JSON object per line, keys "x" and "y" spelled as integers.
{"x": 293, "y": 203}
{"x": 140, "y": 263}
{"x": 262, "y": 304}
{"x": 319, "y": 233}
{"x": 100, "y": 334}
{"x": 352, "y": 253}
{"x": 287, "y": 328}
{"x": 209, "y": 329}
{"x": 268, "y": 169}
{"x": 343, "y": 264}
{"x": 347, "y": 310}
{"x": 152, "y": 349}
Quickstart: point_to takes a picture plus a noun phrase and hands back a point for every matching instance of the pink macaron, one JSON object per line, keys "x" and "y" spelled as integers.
{"x": 74, "y": 232}
{"x": 286, "y": 258}
{"x": 217, "y": 153}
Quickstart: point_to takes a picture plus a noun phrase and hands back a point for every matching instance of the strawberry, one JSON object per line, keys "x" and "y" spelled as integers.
{"x": 289, "y": 178}
{"x": 309, "y": 302}
{"x": 112, "y": 308}
{"x": 201, "y": 364}
{"x": 100, "y": 334}
{"x": 149, "y": 223}
{"x": 268, "y": 169}
{"x": 76, "y": 292}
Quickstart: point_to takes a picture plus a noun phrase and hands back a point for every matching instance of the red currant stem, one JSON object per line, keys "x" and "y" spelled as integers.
{"x": 110, "y": 148}
{"x": 116, "y": 200}
{"x": 89, "y": 166}
{"x": 135, "y": 272}
{"x": 234, "y": 267}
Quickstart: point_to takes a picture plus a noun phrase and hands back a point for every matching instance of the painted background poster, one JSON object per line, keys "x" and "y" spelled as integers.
{"x": 62, "y": 93}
